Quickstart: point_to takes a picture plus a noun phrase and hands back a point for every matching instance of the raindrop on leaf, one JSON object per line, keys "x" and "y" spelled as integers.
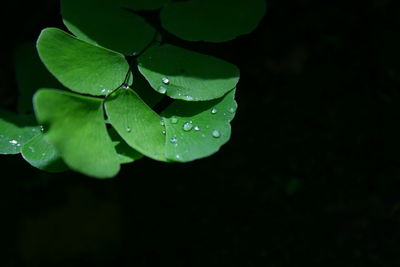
{"x": 174, "y": 119}
{"x": 216, "y": 133}
{"x": 187, "y": 126}
{"x": 165, "y": 80}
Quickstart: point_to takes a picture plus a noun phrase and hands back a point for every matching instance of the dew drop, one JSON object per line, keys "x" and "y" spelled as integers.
{"x": 177, "y": 156}
{"x": 14, "y": 142}
{"x": 174, "y": 119}
{"x": 104, "y": 90}
{"x": 173, "y": 140}
{"x": 214, "y": 111}
{"x": 188, "y": 97}
{"x": 163, "y": 132}
{"x": 232, "y": 110}
{"x": 216, "y": 133}
{"x": 32, "y": 149}
{"x": 162, "y": 89}
{"x": 196, "y": 128}
{"x": 128, "y": 129}
{"x": 162, "y": 122}
{"x": 125, "y": 86}
{"x": 187, "y": 126}
{"x": 165, "y": 80}
{"x": 41, "y": 128}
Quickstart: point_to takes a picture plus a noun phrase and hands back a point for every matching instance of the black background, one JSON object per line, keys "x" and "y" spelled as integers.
{"x": 310, "y": 176}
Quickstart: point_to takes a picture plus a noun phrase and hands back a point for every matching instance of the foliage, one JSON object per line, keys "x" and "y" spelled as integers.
{"x": 118, "y": 70}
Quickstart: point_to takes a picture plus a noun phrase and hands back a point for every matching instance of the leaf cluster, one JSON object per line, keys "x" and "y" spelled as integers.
{"x": 99, "y": 83}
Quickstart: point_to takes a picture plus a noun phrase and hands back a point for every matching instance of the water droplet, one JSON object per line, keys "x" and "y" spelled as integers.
{"x": 32, "y": 149}
{"x": 125, "y": 86}
{"x": 163, "y": 132}
{"x": 232, "y": 110}
{"x": 162, "y": 122}
{"x": 188, "y": 97}
{"x": 177, "y": 156}
{"x": 14, "y": 142}
{"x": 216, "y": 133}
{"x": 214, "y": 111}
{"x": 196, "y": 128}
{"x": 174, "y": 119}
{"x": 173, "y": 140}
{"x": 103, "y": 90}
{"x": 187, "y": 126}
{"x": 162, "y": 89}
{"x": 165, "y": 80}
{"x": 128, "y": 129}
{"x": 41, "y": 128}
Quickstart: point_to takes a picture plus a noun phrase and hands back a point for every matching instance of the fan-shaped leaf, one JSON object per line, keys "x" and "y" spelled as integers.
{"x": 212, "y": 20}
{"x": 196, "y": 130}
{"x": 76, "y": 128}
{"x": 136, "y": 123}
{"x": 81, "y": 66}
{"x": 104, "y": 23}
{"x": 15, "y": 131}
{"x": 40, "y": 153}
{"x": 187, "y": 75}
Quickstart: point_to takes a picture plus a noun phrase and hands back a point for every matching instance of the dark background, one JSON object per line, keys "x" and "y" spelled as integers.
{"x": 310, "y": 176}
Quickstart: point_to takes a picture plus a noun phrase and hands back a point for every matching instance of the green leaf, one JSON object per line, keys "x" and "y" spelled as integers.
{"x": 126, "y": 154}
{"x": 136, "y": 123}
{"x": 15, "y": 131}
{"x": 40, "y": 153}
{"x": 80, "y": 66}
{"x": 104, "y": 23}
{"x": 212, "y": 20}
{"x": 31, "y": 75}
{"x": 141, "y": 4}
{"x": 196, "y": 130}
{"x": 76, "y": 128}
{"x": 187, "y": 75}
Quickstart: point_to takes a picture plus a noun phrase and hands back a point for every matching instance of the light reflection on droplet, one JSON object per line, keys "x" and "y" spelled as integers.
{"x": 165, "y": 80}
{"x": 187, "y": 126}
{"x": 216, "y": 133}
